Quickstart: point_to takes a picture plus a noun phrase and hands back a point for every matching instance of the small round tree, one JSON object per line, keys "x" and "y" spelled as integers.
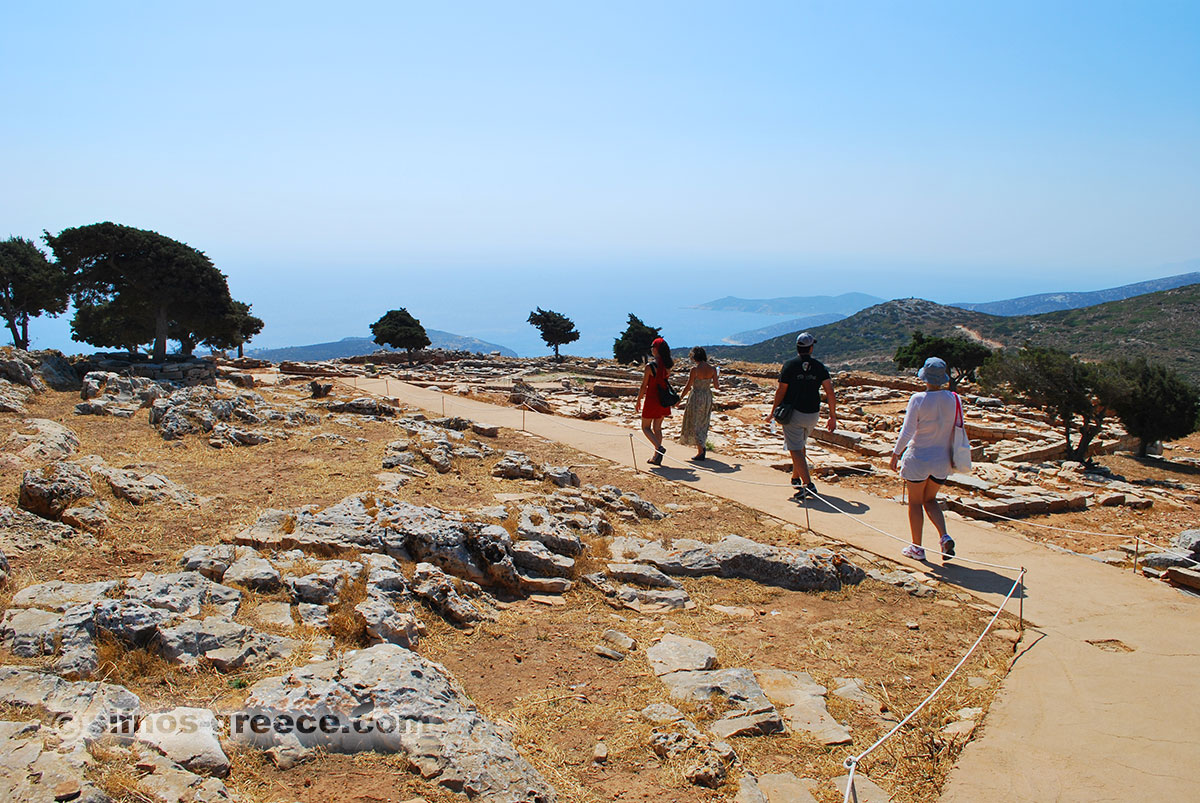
{"x": 400, "y": 330}
{"x": 634, "y": 343}
{"x": 962, "y": 356}
{"x": 557, "y": 329}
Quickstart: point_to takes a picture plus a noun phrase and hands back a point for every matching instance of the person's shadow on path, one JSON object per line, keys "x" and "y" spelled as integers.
{"x": 828, "y": 501}
{"x": 979, "y": 579}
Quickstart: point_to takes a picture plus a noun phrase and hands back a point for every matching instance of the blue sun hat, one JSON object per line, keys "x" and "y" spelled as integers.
{"x": 934, "y": 371}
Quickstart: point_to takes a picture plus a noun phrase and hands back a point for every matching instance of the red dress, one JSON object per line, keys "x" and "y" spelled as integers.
{"x": 651, "y": 407}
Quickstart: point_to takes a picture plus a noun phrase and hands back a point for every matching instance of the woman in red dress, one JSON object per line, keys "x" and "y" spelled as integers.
{"x": 652, "y": 410}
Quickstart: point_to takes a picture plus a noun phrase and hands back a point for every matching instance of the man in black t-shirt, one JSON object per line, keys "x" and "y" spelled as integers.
{"x": 800, "y": 382}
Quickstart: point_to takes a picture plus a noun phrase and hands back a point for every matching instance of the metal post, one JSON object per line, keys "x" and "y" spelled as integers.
{"x": 522, "y": 419}
{"x": 1137, "y": 547}
{"x": 633, "y": 454}
{"x": 807, "y": 522}
{"x": 1021, "y": 598}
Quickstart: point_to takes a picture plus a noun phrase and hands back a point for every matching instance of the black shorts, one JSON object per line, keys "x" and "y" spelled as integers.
{"x": 938, "y": 480}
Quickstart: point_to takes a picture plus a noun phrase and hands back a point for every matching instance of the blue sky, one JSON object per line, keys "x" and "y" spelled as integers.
{"x": 471, "y": 160}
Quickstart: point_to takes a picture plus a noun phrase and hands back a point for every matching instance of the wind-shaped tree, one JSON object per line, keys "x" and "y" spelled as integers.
{"x": 557, "y": 329}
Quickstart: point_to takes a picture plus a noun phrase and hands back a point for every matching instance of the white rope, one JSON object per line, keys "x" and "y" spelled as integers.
{"x": 852, "y": 762}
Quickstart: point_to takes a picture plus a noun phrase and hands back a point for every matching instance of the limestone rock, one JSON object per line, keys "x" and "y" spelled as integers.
{"x": 866, "y": 789}
{"x": 212, "y": 561}
{"x": 50, "y": 490}
{"x": 737, "y": 687}
{"x": 165, "y": 781}
{"x": 762, "y": 721}
{"x": 784, "y": 787}
{"x": 402, "y": 703}
{"x": 187, "y": 736}
{"x": 84, "y": 710}
{"x": 363, "y": 405}
{"x": 21, "y": 531}
{"x": 441, "y": 592}
{"x": 32, "y": 771}
{"x": 619, "y": 640}
{"x": 515, "y": 466}
{"x": 276, "y": 614}
{"x": 385, "y": 624}
{"x": 641, "y": 574}
{"x": 549, "y": 529}
{"x": 13, "y": 397}
{"x": 41, "y": 439}
{"x": 325, "y": 586}
{"x": 734, "y": 556}
{"x": 654, "y": 600}
{"x": 802, "y": 701}
{"x": 532, "y": 556}
{"x": 92, "y": 517}
{"x": 183, "y": 593}
{"x": 562, "y": 476}
{"x": 57, "y": 595}
{"x": 676, "y": 653}
{"x": 253, "y": 572}
{"x": 225, "y": 644}
{"x": 144, "y": 488}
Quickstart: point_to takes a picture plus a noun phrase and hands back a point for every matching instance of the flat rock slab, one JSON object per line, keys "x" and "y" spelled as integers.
{"x": 389, "y": 699}
{"x": 86, "y": 709}
{"x": 733, "y": 556}
{"x": 676, "y": 653}
{"x": 57, "y": 595}
{"x": 40, "y": 439}
{"x": 21, "y": 531}
{"x": 866, "y": 789}
{"x": 802, "y": 702}
{"x": 187, "y": 736}
{"x": 737, "y": 687}
{"x": 654, "y": 600}
{"x": 31, "y": 771}
{"x": 784, "y": 787}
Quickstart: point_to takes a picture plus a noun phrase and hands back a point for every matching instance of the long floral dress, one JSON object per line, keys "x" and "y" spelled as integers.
{"x": 694, "y": 429}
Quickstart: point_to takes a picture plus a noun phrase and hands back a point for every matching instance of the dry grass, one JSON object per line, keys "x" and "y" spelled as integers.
{"x": 534, "y": 666}
{"x": 347, "y": 625}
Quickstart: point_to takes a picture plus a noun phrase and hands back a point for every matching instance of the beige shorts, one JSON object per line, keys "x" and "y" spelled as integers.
{"x": 795, "y": 431}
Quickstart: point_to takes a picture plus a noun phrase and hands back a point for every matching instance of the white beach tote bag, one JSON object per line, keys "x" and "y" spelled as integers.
{"x": 960, "y": 445}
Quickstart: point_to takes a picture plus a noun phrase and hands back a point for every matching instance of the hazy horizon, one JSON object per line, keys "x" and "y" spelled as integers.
{"x": 471, "y": 163}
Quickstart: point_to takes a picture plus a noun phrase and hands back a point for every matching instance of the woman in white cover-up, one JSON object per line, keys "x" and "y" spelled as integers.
{"x": 923, "y": 454}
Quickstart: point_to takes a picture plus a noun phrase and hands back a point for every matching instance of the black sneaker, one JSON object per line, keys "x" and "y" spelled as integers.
{"x": 811, "y": 488}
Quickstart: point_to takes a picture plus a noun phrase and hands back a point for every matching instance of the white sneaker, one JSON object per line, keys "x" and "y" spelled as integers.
{"x": 913, "y": 551}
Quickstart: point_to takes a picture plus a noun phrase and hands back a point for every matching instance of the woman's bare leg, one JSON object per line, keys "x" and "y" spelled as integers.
{"x": 916, "y": 502}
{"x": 930, "y": 504}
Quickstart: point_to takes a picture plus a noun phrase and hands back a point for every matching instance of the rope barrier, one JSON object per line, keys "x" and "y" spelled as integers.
{"x": 851, "y": 763}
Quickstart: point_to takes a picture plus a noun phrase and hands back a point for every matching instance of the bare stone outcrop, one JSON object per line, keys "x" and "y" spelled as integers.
{"x": 733, "y": 556}
{"x": 50, "y": 490}
{"x": 21, "y": 531}
{"x": 400, "y": 702}
{"x": 477, "y": 551}
{"x": 40, "y": 439}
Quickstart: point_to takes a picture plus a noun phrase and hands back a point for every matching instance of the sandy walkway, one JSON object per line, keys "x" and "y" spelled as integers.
{"x": 1100, "y": 705}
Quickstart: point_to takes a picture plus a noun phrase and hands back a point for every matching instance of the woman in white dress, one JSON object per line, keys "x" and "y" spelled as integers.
{"x": 923, "y": 454}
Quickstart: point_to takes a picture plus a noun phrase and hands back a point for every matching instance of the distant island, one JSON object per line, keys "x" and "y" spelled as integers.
{"x": 358, "y": 346}
{"x": 1053, "y": 302}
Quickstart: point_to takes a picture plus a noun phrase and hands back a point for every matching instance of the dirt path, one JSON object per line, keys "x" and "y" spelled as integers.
{"x": 1098, "y": 704}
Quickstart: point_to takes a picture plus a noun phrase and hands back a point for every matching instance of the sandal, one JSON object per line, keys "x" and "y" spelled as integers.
{"x": 658, "y": 456}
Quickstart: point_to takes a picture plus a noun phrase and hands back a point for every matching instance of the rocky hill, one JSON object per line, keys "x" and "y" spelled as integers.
{"x": 1160, "y": 326}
